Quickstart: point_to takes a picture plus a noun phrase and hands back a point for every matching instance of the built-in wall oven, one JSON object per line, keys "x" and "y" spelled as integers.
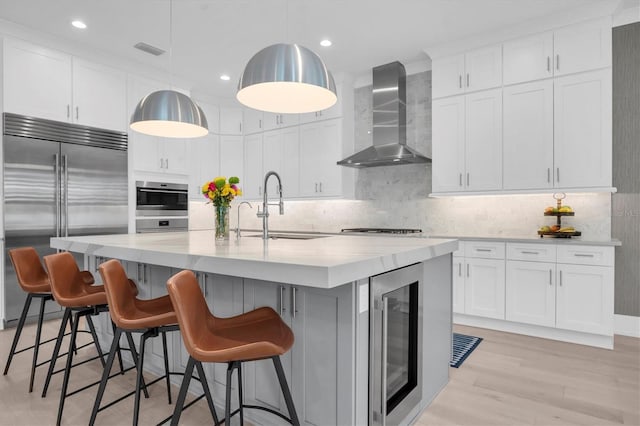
{"x": 161, "y": 207}
{"x": 395, "y": 339}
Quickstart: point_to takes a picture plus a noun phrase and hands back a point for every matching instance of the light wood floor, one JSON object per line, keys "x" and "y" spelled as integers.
{"x": 508, "y": 380}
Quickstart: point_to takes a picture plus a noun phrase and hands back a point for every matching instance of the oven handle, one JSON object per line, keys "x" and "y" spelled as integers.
{"x": 165, "y": 191}
{"x": 385, "y": 327}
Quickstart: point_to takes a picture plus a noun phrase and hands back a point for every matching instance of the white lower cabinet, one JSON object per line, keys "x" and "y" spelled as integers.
{"x": 321, "y": 321}
{"x": 531, "y": 292}
{"x": 585, "y": 298}
{"x": 484, "y": 288}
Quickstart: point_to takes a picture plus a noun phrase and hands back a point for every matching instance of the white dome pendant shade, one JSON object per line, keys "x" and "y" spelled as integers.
{"x": 170, "y": 114}
{"x": 286, "y": 79}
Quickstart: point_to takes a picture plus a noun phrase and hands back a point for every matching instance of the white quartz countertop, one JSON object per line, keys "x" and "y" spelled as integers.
{"x": 325, "y": 262}
{"x": 538, "y": 240}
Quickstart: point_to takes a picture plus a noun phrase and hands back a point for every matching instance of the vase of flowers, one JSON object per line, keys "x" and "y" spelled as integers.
{"x": 220, "y": 193}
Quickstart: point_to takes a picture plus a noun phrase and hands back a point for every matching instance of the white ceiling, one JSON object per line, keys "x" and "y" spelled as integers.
{"x": 211, "y": 37}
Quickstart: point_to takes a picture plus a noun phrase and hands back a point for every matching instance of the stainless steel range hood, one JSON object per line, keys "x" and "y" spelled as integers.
{"x": 389, "y": 122}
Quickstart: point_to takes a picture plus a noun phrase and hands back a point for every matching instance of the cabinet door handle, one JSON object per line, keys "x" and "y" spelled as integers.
{"x": 460, "y": 179}
{"x": 467, "y": 269}
{"x": 167, "y": 163}
{"x": 550, "y": 277}
{"x": 294, "y": 310}
{"x": 460, "y": 81}
{"x": 320, "y": 185}
{"x": 240, "y": 127}
{"x": 68, "y": 110}
{"x": 548, "y": 175}
{"x": 560, "y": 278}
{"x": 161, "y": 164}
{"x": 260, "y": 190}
{"x": 548, "y": 64}
{"x": 260, "y": 124}
{"x": 467, "y": 179}
{"x": 459, "y": 269}
{"x": 583, "y": 255}
{"x": 283, "y": 308}
{"x": 77, "y": 113}
{"x": 316, "y": 187}
{"x": 467, "y": 79}
{"x": 558, "y": 62}
{"x": 558, "y": 174}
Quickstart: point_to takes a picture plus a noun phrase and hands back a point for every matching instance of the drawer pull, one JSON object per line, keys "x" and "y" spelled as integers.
{"x": 583, "y": 255}
{"x": 560, "y": 278}
{"x": 529, "y": 252}
{"x": 484, "y": 250}
{"x": 467, "y": 269}
{"x": 550, "y": 277}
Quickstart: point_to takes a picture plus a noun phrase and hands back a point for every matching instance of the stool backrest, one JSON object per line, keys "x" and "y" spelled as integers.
{"x": 65, "y": 278}
{"x": 190, "y": 307}
{"x": 29, "y": 270}
{"x": 118, "y": 289}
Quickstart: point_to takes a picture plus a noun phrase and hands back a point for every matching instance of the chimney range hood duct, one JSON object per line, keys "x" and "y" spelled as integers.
{"x": 389, "y": 122}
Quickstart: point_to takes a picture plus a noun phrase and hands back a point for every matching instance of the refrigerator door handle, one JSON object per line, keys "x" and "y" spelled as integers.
{"x": 56, "y": 172}
{"x": 66, "y": 195}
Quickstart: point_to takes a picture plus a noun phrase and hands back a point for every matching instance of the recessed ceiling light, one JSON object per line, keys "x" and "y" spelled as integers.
{"x": 225, "y": 77}
{"x": 79, "y": 24}
{"x": 325, "y": 43}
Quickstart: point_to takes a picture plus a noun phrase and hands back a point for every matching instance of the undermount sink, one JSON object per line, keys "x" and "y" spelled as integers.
{"x": 278, "y": 236}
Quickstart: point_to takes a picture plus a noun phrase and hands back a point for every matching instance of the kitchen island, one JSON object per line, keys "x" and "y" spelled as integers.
{"x": 320, "y": 286}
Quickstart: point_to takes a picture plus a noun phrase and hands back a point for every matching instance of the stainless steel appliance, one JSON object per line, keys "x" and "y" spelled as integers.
{"x": 393, "y": 231}
{"x": 389, "y": 122}
{"x": 60, "y": 179}
{"x": 161, "y": 207}
{"x": 395, "y": 344}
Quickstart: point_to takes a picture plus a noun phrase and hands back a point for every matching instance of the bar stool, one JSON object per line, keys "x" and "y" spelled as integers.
{"x": 71, "y": 290}
{"x": 150, "y": 317}
{"x": 33, "y": 279}
{"x": 255, "y": 335}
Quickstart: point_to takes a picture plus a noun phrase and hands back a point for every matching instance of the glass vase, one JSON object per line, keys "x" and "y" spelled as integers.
{"x": 222, "y": 223}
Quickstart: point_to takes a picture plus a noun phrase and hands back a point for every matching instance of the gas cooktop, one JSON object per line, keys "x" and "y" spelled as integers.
{"x": 382, "y": 230}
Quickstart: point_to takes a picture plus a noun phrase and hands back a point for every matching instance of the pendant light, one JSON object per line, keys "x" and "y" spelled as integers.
{"x": 169, "y": 113}
{"x": 286, "y": 78}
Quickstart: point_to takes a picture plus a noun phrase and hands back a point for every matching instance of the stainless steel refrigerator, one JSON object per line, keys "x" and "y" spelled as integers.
{"x": 60, "y": 179}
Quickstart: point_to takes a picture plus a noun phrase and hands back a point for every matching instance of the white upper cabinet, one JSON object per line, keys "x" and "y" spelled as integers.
{"x": 528, "y": 58}
{"x": 528, "y": 135}
{"x": 280, "y": 153}
{"x": 483, "y": 140}
{"x": 204, "y": 163}
{"x": 575, "y": 48}
{"x": 334, "y": 112}
{"x": 49, "y": 84}
{"x": 99, "y": 96}
{"x": 475, "y": 70}
{"x": 582, "y": 130}
{"x": 448, "y": 144}
{"x": 252, "y": 188}
{"x": 212, "y": 114}
{"x": 252, "y": 121}
{"x": 37, "y": 81}
{"x": 276, "y": 121}
{"x": 320, "y": 149}
{"x": 230, "y": 120}
{"x": 582, "y": 47}
{"x": 232, "y": 157}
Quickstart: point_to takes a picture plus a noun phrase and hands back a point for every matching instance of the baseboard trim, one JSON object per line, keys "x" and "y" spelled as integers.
{"x": 626, "y": 325}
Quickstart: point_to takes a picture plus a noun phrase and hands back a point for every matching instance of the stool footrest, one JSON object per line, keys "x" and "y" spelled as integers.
{"x": 95, "y": 383}
{"x": 183, "y": 408}
{"x": 259, "y": 407}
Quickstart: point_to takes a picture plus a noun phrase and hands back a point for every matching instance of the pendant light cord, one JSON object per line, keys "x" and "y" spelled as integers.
{"x": 171, "y": 44}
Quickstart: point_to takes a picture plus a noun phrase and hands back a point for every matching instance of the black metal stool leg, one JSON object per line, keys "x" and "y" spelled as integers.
{"x": 56, "y": 350}
{"x": 240, "y": 393}
{"x": 166, "y": 365}
{"x": 113, "y": 327}
{"x": 36, "y": 347}
{"x": 227, "y": 400}
{"x": 105, "y": 375}
{"x": 96, "y": 342}
{"x": 136, "y": 405}
{"x": 207, "y": 392}
{"x": 177, "y": 411}
{"x": 67, "y": 371}
{"x": 285, "y": 391}
{"x": 134, "y": 355}
{"x": 75, "y": 349}
{"x": 16, "y": 337}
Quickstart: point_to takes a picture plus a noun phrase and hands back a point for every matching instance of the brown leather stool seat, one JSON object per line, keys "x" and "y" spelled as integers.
{"x": 33, "y": 279}
{"x": 255, "y": 335}
{"x": 150, "y": 317}
{"x": 73, "y": 290}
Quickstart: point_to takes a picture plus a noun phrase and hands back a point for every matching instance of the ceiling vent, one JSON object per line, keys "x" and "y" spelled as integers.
{"x": 156, "y": 51}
